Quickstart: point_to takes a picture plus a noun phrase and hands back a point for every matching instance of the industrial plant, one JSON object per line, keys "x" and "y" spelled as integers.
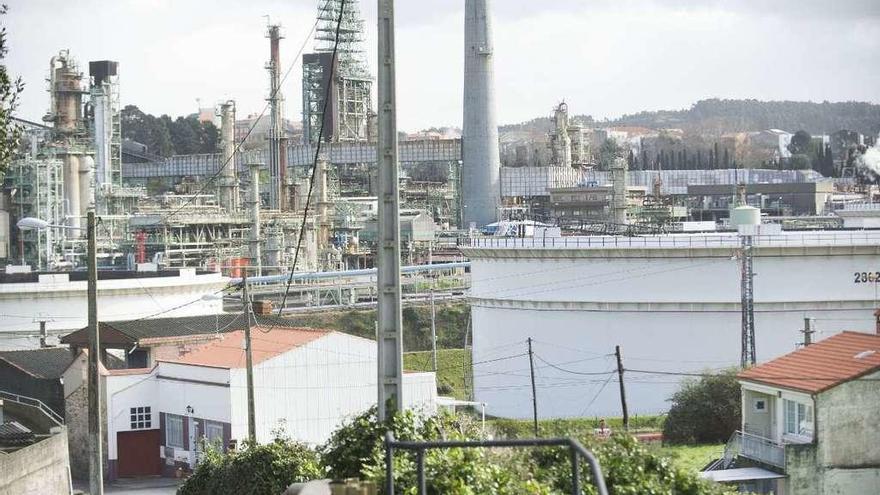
{"x": 571, "y": 246}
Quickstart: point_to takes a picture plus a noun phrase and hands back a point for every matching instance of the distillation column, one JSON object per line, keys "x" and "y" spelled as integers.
{"x": 618, "y": 191}
{"x": 277, "y": 169}
{"x": 228, "y": 182}
{"x": 66, "y": 114}
{"x": 481, "y": 193}
{"x": 254, "y": 207}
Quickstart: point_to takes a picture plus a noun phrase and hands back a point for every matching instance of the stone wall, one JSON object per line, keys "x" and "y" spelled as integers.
{"x": 39, "y": 468}
{"x": 76, "y": 418}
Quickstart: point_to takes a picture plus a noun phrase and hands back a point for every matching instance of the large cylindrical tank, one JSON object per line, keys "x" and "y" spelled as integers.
{"x": 745, "y": 215}
{"x": 71, "y": 190}
{"x": 86, "y": 179}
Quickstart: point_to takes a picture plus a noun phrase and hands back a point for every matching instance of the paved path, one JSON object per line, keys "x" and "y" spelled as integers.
{"x": 142, "y": 486}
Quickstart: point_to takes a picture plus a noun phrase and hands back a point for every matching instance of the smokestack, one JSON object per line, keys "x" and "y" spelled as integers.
{"x": 481, "y": 193}
{"x": 276, "y": 167}
{"x": 228, "y": 181}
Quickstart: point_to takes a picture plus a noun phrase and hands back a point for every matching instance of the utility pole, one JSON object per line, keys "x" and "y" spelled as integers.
{"x": 534, "y": 395}
{"x": 96, "y": 437}
{"x": 433, "y": 331}
{"x": 390, "y": 341}
{"x": 808, "y": 331}
{"x": 249, "y": 356}
{"x": 43, "y": 334}
{"x": 622, "y": 388}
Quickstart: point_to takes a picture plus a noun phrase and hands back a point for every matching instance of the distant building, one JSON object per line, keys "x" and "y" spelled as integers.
{"x": 589, "y": 204}
{"x": 809, "y": 422}
{"x": 714, "y": 201}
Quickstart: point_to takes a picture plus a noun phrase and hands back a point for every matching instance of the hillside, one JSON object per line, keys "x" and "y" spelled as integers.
{"x": 716, "y": 116}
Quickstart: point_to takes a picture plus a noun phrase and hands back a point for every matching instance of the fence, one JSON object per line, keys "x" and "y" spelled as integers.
{"x": 35, "y": 403}
{"x": 577, "y": 451}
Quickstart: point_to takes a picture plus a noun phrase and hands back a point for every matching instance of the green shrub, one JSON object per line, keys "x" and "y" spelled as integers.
{"x": 704, "y": 411}
{"x": 255, "y": 469}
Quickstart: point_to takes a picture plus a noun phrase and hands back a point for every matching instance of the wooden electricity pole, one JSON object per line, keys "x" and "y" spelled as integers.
{"x": 96, "y": 437}
{"x": 249, "y": 356}
{"x": 622, "y": 389}
{"x": 534, "y": 395}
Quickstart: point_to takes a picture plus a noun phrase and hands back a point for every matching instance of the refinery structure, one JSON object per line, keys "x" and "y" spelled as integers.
{"x": 677, "y": 256}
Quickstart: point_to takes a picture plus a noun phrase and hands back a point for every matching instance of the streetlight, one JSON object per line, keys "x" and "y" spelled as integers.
{"x": 96, "y": 456}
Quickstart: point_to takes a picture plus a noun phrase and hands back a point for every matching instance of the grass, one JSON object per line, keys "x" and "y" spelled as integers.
{"x": 452, "y": 367}
{"x": 691, "y": 458}
{"x": 521, "y": 428}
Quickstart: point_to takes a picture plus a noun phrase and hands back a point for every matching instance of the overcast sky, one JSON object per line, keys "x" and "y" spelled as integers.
{"x": 604, "y": 57}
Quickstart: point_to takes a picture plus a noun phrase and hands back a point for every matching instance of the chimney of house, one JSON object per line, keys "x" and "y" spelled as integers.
{"x": 877, "y": 321}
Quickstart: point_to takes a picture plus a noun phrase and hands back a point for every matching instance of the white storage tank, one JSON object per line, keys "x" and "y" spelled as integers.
{"x": 745, "y": 215}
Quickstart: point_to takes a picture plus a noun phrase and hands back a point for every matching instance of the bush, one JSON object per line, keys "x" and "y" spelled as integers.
{"x": 356, "y": 450}
{"x": 704, "y": 411}
{"x": 255, "y": 469}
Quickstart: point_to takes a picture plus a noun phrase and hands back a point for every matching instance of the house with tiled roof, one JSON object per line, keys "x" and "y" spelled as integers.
{"x": 810, "y": 421}
{"x": 306, "y": 382}
{"x": 143, "y": 342}
{"x": 36, "y": 373}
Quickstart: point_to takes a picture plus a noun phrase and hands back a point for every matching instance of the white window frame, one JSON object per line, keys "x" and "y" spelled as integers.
{"x": 174, "y": 425}
{"x": 797, "y": 419}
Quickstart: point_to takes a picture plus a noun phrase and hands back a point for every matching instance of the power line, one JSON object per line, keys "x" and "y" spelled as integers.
{"x": 318, "y": 143}
{"x": 582, "y": 373}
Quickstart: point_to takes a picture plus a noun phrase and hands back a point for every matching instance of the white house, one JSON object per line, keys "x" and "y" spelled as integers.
{"x": 809, "y": 422}
{"x": 306, "y": 382}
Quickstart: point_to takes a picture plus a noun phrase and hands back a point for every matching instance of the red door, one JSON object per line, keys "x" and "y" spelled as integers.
{"x": 138, "y": 453}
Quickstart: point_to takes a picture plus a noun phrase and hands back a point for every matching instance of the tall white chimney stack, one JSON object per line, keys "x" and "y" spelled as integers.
{"x": 481, "y": 191}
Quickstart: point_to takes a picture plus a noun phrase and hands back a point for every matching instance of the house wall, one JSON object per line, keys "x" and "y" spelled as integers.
{"x": 169, "y": 388}
{"x": 846, "y": 457}
{"x": 313, "y": 389}
{"x": 848, "y": 424}
{"x": 38, "y": 468}
{"x": 76, "y": 418}
{"x": 17, "y": 381}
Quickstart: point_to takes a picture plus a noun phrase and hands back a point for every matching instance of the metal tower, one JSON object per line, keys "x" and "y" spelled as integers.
{"x": 350, "y": 92}
{"x": 748, "y": 356}
{"x": 481, "y": 193}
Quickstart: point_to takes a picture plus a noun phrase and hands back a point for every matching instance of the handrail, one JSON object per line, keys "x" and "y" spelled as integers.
{"x": 761, "y": 449}
{"x": 722, "y": 240}
{"x": 577, "y": 451}
{"x": 37, "y": 403}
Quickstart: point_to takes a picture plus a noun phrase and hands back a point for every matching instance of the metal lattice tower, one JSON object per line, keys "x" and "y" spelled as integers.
{"x": 350, "y": 52}
{"x": 748, "y": 356}
{"x": 350, "y": 106}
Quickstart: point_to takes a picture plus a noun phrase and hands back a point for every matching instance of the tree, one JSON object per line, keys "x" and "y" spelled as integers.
{"x": 10, "y": 89}
{"x": 800, "y": 161}
{"x": 705, "y": 410}
{"x": 800, "y": 143}
{"x": 608, "y": 152}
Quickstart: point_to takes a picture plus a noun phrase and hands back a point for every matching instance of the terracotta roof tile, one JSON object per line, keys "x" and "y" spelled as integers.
{"x": 820, "y": 366}
{"x": 228, "y": 351}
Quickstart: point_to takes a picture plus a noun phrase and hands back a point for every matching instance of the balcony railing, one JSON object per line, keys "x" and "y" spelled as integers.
{"x": 755, "y": 448}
